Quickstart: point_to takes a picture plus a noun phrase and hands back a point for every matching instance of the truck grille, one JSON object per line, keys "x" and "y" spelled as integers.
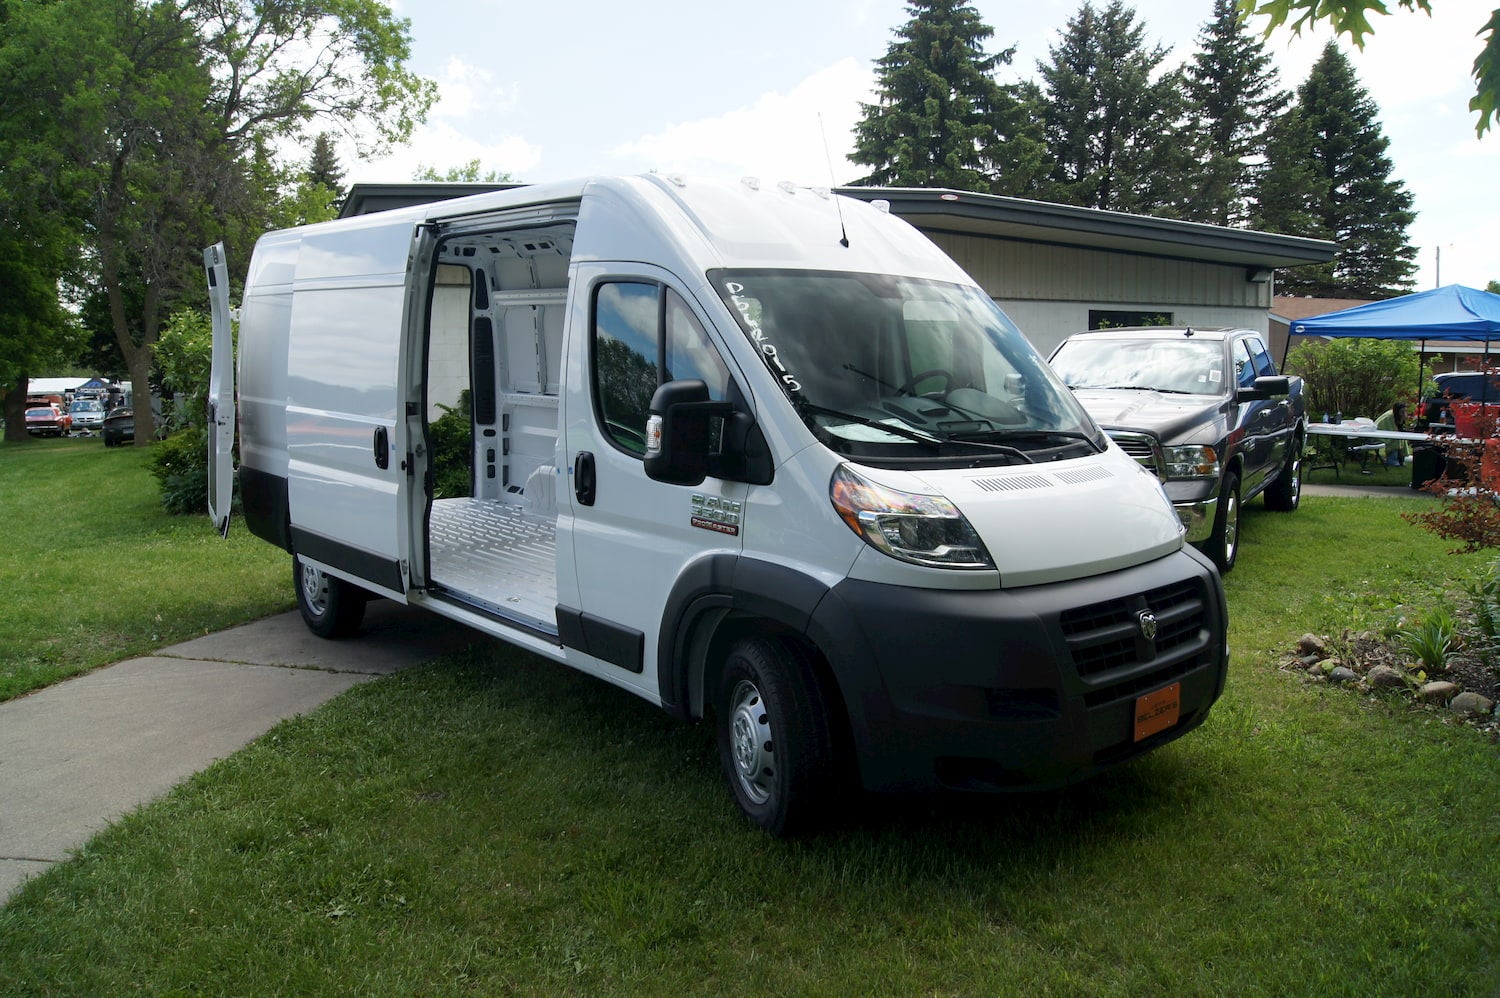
{"x": 1108, "y": 646}
{"x": 1143, "y": 448}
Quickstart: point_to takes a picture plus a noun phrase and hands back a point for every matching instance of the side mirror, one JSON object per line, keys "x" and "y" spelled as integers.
{"x": 1268, "y": 386}
{"x": 678, "y": 434}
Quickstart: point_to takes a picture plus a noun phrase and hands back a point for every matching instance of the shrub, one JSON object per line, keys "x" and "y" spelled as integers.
{"x": 180, "y": 465}
{"x": 1431, "y": 640}
{"x": 452, "y": 437}
{"x": 1355, "y": 377}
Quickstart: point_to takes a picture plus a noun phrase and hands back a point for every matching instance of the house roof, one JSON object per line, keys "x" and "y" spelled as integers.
{"x": 992, "y": 215}
{"x": 1290, "y": 308}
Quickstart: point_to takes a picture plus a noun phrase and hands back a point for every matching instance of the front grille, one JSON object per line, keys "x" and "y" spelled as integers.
{"x": 1143, "y": 448}
{"x": 1106, "y": 637}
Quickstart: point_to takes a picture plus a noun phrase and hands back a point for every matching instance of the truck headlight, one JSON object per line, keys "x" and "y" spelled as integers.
{"x": 1191, "y": 462}
{"x": 921, "y": 529}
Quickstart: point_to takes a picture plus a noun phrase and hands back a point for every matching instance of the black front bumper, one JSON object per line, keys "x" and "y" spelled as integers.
{"x": 1020, "y": 689}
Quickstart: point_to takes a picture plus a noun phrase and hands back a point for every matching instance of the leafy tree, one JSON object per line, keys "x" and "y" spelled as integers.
{"x": 1362, "y": 208}
{"x": 1493, "y": 287}
{"x": 940, "y": 118}
{"x": 471, "y": 172}
{"x": 1351, "y": 17}
{"x": 1113, "y": 133}
{"x": 156, "y": 125}
{"x": 1233, "y": 95}
{"x": 34, "y": 334}
{"x": 1355, "y": 377}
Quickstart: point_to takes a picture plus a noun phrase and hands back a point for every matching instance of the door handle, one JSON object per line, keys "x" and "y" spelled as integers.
{"x": 584, "y": 482}
{"x": 382, "y": 449}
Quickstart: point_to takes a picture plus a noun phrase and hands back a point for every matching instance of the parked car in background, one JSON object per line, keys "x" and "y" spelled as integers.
{"x": 119, "y": 426}
{"x": 88, "y": 414}
{"x": 47, "y": 421}
{"x": 1202, "y": 409}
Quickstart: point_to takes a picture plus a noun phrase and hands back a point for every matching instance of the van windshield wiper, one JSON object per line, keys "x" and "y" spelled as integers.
{"x": 892, "y": 428}
{"x": 1029, "y": 435}
{"x": 910, "y": 434}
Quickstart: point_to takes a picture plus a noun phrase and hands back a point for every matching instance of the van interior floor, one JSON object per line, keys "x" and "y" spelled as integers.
{"x": 496, "y": 554}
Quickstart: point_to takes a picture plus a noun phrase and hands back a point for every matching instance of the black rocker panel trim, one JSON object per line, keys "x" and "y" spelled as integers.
{"x": 264, "y": 498}
{"x": 606, "y": 640}
{"x": 378, "y": 569}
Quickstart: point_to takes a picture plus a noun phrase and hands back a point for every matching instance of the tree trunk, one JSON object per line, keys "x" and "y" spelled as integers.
{"x": 15, "y": 412}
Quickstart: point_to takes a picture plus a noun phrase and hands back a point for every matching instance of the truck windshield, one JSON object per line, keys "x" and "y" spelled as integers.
{"x": 1182, "y": 366}
{"x": 901, "y": 372}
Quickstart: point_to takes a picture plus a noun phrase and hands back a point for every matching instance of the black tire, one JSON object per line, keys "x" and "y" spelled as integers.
{"x": 1223, "y": 545}
{"x": 775, "y": 733}
{"x": 331, "y": 607}
{"x": 1285, "y": 494}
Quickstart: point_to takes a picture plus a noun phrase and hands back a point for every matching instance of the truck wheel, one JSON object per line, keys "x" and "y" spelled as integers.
{"x": 1285, "y": 494}
{"x": 331, "y": 607}
{"x": 1223, "y": 545}
{"x": 775, "y": 737}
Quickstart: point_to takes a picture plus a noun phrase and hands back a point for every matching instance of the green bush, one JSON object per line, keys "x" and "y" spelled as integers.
{"x": 1432, "y": 640}
{"x": 1355, "y": 377}
{"x": 452, "y": 436}
{"x": 180, "y": 465}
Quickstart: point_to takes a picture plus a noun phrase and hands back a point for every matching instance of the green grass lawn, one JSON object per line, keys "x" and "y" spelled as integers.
{"x": 490, "y": 823}
{"x": 94, "y": 571}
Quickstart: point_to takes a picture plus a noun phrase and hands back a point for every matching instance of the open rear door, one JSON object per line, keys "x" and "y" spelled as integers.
{"x": 220, "y": 393}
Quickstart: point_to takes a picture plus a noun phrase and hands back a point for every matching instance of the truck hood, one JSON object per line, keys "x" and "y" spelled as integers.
{"x": 1168, "y": 416}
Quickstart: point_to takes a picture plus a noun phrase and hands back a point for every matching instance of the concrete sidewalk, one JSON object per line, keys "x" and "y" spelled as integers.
{"x": 78, "y": 755}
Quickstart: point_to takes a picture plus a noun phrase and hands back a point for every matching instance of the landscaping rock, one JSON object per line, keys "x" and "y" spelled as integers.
{"x": 1383, "y": 677}
{"x": 1311, "y": 644}
{"x": 1471, "y": 703}
{"x": 1438, "y": 691}
{"x": 1343, "y": 675}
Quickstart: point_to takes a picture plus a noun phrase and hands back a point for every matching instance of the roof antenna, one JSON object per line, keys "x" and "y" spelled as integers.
{"x": 843, "y": 232}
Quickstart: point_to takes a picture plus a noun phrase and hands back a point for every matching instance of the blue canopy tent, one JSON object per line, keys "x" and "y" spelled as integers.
{"x": 1451, "y": 312}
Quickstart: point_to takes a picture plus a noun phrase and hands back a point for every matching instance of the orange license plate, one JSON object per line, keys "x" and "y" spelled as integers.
{"x": 1157, "y": 711}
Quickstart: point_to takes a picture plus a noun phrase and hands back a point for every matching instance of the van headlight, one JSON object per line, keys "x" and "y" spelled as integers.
{"x": 921, "y": 529}
{"x": 1191, "y": 462}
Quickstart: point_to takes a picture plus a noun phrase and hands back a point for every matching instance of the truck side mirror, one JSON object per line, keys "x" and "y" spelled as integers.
{"x": 678, "y": 432}
{"x": 1265, "y": 387}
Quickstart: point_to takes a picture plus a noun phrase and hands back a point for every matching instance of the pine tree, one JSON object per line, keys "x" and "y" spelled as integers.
{"x": 941, "y": 119}
{"x": 1233, "y": 95}
{"x": 323, "y": 164}
{"x": 1113, "y": 134}
{"x": 1365, "y": 211}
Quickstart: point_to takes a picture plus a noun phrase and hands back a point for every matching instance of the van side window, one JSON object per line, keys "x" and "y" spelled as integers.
{"x": 644, "y": 336}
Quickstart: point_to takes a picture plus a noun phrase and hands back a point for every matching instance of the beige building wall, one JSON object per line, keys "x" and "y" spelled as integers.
{"x": 1050, "y": 290}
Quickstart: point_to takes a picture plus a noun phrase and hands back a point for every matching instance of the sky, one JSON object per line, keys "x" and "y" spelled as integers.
{"x": 772, "y": 89}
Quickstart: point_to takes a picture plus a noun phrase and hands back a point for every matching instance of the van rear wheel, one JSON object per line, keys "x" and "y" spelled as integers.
{"x": 776, "y": 744}
{"x": 331, "y": 607}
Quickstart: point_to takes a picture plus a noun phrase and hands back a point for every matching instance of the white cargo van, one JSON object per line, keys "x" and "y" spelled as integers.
{"x": 755, "y": 453}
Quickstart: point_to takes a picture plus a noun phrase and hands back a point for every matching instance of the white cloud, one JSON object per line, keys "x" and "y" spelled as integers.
{"x": 467, "y": 90}
{"x": 442, "y": 146}
{"x": 776, "y": 138}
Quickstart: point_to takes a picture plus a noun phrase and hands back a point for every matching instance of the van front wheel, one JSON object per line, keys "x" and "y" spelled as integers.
{"x": 331, "y": 607}
{"x": 775, "y": 737}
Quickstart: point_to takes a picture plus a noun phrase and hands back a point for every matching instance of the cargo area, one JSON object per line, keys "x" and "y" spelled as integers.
{"x": 493, "y": 370}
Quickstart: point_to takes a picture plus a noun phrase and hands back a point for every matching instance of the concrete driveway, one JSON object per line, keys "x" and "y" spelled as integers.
{"x": 78, "y": 755}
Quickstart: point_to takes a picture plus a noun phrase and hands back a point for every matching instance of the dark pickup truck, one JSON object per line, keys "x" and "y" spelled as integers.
{"x": 1204, "y": 410}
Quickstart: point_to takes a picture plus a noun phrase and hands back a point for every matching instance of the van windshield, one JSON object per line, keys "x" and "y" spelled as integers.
{"x": 901, "y": 372}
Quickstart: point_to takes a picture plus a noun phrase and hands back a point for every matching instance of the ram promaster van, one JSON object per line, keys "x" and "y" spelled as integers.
{"x": 759, "y": 454}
